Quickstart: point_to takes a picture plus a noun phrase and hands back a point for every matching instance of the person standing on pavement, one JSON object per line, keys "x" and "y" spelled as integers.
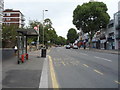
{"x": 15, "y": 49}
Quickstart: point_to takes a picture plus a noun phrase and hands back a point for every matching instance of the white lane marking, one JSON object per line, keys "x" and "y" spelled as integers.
{"x": 84, "y": 54}
{"x": 44, "y": 76}
{"x": 103, "y": 59}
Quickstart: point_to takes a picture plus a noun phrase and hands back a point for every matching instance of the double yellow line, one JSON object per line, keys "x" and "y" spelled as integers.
{"x": 53, "y": 76}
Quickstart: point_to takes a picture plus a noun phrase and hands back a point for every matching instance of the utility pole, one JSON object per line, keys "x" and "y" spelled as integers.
{"x": 43, "y": 26}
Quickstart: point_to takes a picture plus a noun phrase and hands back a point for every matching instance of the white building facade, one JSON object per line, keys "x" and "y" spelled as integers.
{"x": 1, "y": 12}
{"x": 117, "y": 29}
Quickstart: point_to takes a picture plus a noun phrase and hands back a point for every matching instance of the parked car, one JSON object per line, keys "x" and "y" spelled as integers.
{"x": 75, "y": 47}
{"x": 71, "y": 46}
{"x": 67, "y": 46}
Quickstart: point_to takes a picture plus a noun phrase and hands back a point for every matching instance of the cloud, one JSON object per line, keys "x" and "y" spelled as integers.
{"x": 19, "y": 1}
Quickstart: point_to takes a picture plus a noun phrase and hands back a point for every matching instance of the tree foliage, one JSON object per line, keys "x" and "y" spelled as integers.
{"x": 61, "y": 40}
{"x": 9, "y": 36}
{"x": 49, "y": 32}
{"x": 48, "y": 23}
{"x": 91, "y": 17}
{"x": 72, "y": 35}
{"x": 52, "y": 35}
{"x": 32, "y": 24}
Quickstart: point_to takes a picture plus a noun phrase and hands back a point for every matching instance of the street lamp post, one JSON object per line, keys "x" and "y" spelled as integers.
{"x": 43, "y": 25}
{"x": 38, "y": 37}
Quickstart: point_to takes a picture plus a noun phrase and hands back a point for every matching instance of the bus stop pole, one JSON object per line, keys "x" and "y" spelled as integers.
{"x": 18, "y": 46}
{"x": 26, "y": 48}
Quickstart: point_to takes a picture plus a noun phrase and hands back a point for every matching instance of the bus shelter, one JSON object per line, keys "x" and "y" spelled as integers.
{"x": 22, "y": 37}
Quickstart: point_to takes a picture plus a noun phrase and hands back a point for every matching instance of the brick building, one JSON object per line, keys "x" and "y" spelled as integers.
{"x": 1, "y": 12}
{"x": 13, "y": 17}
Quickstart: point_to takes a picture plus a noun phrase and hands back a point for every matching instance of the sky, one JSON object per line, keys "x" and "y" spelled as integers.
{"x": 59, "y": 11}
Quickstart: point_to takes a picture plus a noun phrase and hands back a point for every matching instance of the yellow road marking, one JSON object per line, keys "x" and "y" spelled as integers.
{"x": 85, "y": 65}
{"x": 117, "y": 82}
{"x": 63, "y": 63}
{"x": 98, "y": 72}
{"x": 52, "y": 72}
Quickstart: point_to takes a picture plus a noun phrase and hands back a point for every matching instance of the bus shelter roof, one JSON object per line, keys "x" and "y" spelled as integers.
{"x": 27, "y": 32}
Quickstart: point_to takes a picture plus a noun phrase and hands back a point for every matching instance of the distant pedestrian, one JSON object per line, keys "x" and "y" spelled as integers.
{"x": 15, "y": 48}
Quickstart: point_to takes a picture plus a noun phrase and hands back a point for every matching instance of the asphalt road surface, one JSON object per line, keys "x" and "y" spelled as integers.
{"x": 75, "y": 68}
{"x": 63, "y": 68}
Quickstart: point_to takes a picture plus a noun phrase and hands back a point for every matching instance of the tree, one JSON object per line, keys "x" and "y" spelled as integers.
{"x": 48, "y": 23}
{"x": 49, "y": 33}
{"x": 9, "y": 36}
{"x": 72, "y": 35}
{"x": 47, "y": 29}
{"x": 32, "y": 24}
{"x": 61, "y": 40}
{"x": 52, "y": 35}
{"x": 91, "y": 17}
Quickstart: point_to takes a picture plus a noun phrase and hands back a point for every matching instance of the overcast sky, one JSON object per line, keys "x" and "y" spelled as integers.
{"x": 59, "y": 11}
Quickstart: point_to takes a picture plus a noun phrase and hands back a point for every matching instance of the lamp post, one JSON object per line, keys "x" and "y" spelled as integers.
{"x": 38, "y": 37}
{"x": 43, "y": 25}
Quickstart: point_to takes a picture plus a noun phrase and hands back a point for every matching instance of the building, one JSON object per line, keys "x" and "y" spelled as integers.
{"x": 117, "y": 29}
{"x": 1, "y": 12}
{"x": 110, "y": 35}
{"x": 13, "y": 17}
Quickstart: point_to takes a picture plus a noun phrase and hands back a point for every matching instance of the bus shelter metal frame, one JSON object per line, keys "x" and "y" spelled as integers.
{"x": 22, "y": 37}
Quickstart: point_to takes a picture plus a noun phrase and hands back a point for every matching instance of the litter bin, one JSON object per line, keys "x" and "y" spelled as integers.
{"x": 43, "y": 52}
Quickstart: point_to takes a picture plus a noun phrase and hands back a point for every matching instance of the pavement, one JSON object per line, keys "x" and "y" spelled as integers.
{"x": 25, "y": 75}
{"x": 103, "y": 50}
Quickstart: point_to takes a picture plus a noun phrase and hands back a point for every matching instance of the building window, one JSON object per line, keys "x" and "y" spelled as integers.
{"x": 111, "y": 25}
{"x": 7, "y": 14}
{"x": 8, "y": 19}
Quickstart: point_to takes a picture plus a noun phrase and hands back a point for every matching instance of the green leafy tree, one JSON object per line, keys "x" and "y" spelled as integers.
{"x": 91, "y": 17}
{"x": 52, "y": 35}
{"x": 48, "y": 23}
{"x": 47, "y": 28}
{"x": 32, "y": 24}
{"x": 72, "y": 35}
{"x": 49, "y": 33}
{"x": 61, "y": 40}
{"x": 9, "y": 36}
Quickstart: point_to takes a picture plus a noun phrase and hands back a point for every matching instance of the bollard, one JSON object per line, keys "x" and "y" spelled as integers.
{"x": 22, "y": 58}
{"x": 26, "y": 56}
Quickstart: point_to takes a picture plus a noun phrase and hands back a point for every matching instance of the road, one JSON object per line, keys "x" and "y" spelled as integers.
{"x": 63, "y": 68}
{"x": 76, "y": 68}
